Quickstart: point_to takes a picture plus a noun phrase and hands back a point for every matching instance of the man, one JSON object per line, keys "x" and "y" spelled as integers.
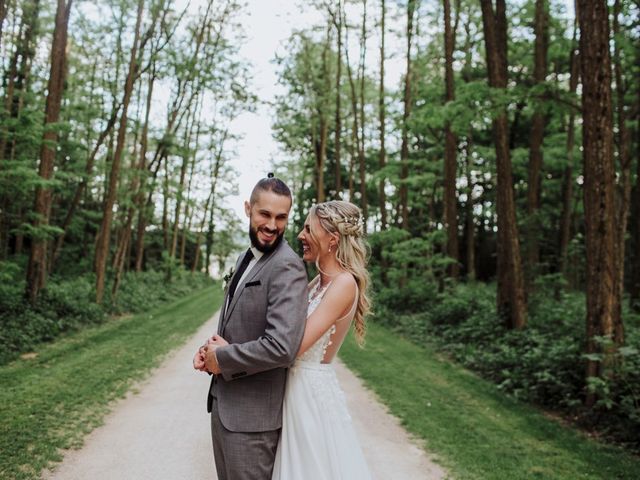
{"x": 263, "y": 319}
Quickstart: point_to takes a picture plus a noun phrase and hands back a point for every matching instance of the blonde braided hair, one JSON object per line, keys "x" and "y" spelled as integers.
{"x": 352, "y": 252}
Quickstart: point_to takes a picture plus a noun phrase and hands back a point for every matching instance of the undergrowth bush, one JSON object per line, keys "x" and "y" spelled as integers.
{"x": 67, "y": 305}
{"x": 543, "y": 364}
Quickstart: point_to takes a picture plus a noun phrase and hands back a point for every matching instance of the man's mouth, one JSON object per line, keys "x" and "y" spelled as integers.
{"x": 268, "y": 236}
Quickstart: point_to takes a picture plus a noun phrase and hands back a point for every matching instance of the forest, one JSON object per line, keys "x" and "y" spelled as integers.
{"x": 499, "y": 176}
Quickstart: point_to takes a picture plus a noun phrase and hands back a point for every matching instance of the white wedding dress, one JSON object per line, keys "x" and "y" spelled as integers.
{"x": 318, "y": 441}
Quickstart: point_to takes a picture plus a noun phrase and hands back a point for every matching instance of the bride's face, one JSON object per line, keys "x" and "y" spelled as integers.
{"x": 313, "y": 237}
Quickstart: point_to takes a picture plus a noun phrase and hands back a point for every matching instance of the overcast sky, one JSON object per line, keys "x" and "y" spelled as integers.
{"x": 268, "y": 25}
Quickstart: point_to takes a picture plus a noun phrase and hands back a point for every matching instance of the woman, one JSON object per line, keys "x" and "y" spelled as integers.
{"x": 318, "y": 440}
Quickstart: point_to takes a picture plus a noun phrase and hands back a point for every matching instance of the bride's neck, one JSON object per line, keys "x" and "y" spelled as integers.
{"x": 328, "y": 271}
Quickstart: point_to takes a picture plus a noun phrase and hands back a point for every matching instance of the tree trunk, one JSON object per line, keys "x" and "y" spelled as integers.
{"x": 634, "y": 293}
{"x": 136, "y": 188}
{"x": 450, "y": 151}
{"x": 603, "y": 305}
{"x": 19, "y": 72}
{"x": 511, "y": 294}
{"x": 214, "y": 185}
{"x": 102, "y": 246}
{"x": 183, "y": 175}
{"x": 567, "y": 182}
{"x": 355, "y": 111}
{"x": 37, "y": 268}
{"x": 80, "y": 189}
{"x": 188, "y": 213}
{"x": 338, "y": 114}
{"x": 623, "y": 197}
{"x": 536, "y": 138}
{"x": 382, "y": 112}
{"x": 196, "y": 256}
{"x": 469, "y": 214}
{"x": 361, "y": 157}
{"x": 469, "y": 223}
{"x": 404, "y": 148}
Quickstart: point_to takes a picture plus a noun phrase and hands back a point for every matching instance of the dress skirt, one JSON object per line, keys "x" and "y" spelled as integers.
{"x": 318, "y": 441}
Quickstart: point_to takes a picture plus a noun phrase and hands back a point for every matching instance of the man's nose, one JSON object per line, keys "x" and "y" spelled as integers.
{"x": 271, "y": 224}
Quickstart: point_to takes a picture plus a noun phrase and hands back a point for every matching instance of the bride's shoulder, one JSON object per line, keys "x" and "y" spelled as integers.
{"x": 344, "y": 282}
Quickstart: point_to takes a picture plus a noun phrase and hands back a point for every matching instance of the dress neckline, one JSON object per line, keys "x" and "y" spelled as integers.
{"x": 317, "y": 291}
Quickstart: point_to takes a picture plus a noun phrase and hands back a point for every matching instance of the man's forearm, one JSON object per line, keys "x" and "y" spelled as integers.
{"x": 242, "y": 359}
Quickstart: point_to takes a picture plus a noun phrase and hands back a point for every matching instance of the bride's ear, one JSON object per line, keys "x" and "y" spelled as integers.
{"x": 335, "y": 240}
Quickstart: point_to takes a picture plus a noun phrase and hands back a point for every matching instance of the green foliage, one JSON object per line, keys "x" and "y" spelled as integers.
{"x": 68, "y": 305}
{"x": 50, "y": 401}
{"x": 471, "y": 427}
{"x": 416, "y": 264}
{"x": 542, "y": 364}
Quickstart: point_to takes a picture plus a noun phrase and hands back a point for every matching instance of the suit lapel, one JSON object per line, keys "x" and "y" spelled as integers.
{"x": 225, "y": 306}
{"x": 257, "y": 268}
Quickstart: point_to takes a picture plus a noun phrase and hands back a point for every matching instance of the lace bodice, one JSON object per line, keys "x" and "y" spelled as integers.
{"x": 317, "y": 351}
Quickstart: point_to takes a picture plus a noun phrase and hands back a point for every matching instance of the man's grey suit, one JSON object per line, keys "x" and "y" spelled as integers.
{"x": 264, "y": 324}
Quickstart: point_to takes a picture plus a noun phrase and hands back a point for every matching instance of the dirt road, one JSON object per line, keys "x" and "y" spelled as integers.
{"x": 161, "y": 430}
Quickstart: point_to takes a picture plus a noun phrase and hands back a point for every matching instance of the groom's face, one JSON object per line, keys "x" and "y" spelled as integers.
{"x": 268, "y": 217}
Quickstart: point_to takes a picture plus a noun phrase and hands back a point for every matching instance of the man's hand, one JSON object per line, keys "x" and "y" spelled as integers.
{"x": 198, "y": 360}
{"x": 210, "y": 360}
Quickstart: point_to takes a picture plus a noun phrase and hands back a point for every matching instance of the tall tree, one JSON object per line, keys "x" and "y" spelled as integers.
{"x": 104, "y": 235}
{"x": 382, "y": 114}
{"x": 450, "y": 149}
{"x": 634, "y": 293}
{"x": 511, "y": 294}
{"x": 603, "y": 304}
{"x": 355, "y": 150}
{"x": 403, "y": 208}
{"x": 470, "y": 227}
{"x": 361, "y": 154}
{"x": 337, "y": 22}
{"x": 541, "y": 31}
{"x": 183, "y": 96}
{"x": 623, "y": 191}
{"x": 567, "y": 180}
{"x": 37, "y": 268}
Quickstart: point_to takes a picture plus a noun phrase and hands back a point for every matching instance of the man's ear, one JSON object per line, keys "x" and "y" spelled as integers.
{"x": 247, "y": 208}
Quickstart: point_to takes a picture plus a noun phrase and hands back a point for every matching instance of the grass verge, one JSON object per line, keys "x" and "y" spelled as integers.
{"x": 51, "y": 402}
{"x": 476, "y": 431}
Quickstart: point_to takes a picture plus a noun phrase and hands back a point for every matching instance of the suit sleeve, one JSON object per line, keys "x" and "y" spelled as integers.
{"x": 286, "y": 318}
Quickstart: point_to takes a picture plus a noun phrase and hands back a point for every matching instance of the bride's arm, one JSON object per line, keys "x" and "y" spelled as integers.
{"x": 337, "y": 300}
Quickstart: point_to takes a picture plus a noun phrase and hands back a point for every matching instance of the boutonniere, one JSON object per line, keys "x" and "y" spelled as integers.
{"x": 227, "y": 279}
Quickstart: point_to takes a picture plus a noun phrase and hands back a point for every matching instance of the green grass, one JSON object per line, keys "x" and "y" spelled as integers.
{"x": 51, "y": 402}
{"x": 476, "y": 431}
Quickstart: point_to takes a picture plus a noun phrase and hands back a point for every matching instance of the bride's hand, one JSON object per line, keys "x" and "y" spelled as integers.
{"x": 198, "y": 360}
{"x": 218, "y": 341}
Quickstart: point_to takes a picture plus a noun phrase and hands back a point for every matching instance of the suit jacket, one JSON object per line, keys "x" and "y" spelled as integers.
{"x": 264, "y": 324}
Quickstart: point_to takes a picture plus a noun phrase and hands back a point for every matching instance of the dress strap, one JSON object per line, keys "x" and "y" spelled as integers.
{"x": 352, "y": 310}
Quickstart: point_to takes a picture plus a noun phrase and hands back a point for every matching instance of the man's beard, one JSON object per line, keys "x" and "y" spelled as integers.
{"x": 264, "y": 248}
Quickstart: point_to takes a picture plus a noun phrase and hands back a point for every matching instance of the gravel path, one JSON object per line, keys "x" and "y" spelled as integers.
{"x": 161, "y": 431}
